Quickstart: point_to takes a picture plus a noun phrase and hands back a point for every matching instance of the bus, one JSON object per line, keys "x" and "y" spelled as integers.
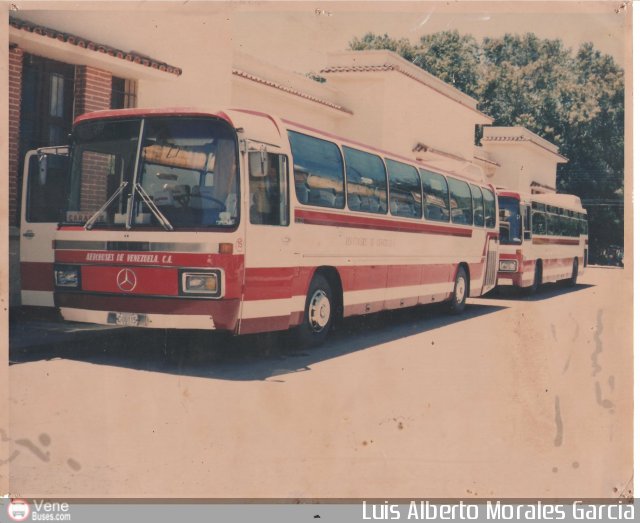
{"x": 543, "y": 239}
{"x": 243, "y": 222}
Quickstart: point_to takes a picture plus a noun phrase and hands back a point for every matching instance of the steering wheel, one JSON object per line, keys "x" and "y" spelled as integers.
{"x": 221, "y": 206}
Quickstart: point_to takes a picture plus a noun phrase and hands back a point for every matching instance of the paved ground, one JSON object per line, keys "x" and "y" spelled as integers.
{"x": 515, "y": 398}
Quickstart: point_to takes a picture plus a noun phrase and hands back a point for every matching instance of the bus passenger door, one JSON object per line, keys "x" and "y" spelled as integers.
{"x": 44, "y": 182}
{"x": 269, "y": 260}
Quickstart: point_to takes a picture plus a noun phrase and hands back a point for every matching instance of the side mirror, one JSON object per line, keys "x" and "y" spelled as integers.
{"x": 42, "y": 168}
{"x": 258, "y": 164}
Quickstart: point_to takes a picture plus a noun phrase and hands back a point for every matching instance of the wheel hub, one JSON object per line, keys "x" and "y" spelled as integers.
{"x": 460, "y": 289}
{"x": 319, "y": 310}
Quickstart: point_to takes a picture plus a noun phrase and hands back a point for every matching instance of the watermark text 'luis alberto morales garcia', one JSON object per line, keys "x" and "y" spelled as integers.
{"x": 623, "y": 510}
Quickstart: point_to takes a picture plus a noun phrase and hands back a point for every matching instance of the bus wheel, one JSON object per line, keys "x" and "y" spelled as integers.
{"x": 574, "y": 274}
{"x": 537, "y": 280}
{"x": 460, "y": 292}
{"x": 319, "y": 313}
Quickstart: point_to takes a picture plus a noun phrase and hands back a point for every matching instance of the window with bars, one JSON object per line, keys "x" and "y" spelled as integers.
{"x": 124, "y": 93}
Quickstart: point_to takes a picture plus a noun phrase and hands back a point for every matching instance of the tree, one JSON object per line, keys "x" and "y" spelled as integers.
{"x": 453, "y": 58}
{"x": 371, "y": 41}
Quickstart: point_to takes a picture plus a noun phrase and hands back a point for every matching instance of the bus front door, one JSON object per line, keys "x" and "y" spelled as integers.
{"x": 43, "y": 187}
{"x": 270, "y": 266}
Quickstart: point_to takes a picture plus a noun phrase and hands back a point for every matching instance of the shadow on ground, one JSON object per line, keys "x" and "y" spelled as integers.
{"x": 545, "y": 292}
{"x": 251, "y": 357}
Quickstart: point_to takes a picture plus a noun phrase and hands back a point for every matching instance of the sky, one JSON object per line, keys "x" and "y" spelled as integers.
{"x": 298, "y": 35}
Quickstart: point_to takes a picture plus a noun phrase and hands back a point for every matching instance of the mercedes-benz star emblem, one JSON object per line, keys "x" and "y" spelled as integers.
{"x": 126, "y": 280}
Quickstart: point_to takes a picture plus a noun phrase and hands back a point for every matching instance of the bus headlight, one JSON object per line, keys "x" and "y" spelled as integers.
{"x": 201, "y": 283}
{"x": 508, "y": 265}
{"x": 67, "y": 276}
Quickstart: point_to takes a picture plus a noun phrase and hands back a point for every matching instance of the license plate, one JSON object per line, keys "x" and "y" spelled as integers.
{"x": 126, "y": 319}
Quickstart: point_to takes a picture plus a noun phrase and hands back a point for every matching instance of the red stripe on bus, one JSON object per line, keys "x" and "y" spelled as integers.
{"x": 284, "y": 282}
{"x": 141, "y": 280}
{"x": 269, "y": 283}
{"x": 36, "y": 276}
{"x": 364, "y": 222}
{"x": 509, "y": 194}
{"x": 139, "y": 258}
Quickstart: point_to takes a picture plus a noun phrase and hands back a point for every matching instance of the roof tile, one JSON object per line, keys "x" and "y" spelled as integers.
{"x": 92, "y": 46}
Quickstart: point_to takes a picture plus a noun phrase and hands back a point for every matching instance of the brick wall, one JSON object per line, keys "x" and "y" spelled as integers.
{"x": 92, "y": 90}
{"x": 93, "y": 187}
{"x": 15, "y": 97}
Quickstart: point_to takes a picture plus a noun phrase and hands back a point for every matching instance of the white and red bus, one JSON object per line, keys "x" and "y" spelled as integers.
{"x": 242, "y": 222}
{"x": 543, "y": 238}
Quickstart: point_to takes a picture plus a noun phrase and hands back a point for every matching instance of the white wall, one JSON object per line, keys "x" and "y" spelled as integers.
{"x": 520, "y": 164}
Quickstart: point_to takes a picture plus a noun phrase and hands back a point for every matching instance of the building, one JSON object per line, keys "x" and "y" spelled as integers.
{"x": 62, "y": 65}
{"x": 528, "y": 163}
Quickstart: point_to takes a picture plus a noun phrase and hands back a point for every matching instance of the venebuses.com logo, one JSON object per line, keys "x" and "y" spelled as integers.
{"x": 18, "y": 510}
{"x": 21, "y": 510}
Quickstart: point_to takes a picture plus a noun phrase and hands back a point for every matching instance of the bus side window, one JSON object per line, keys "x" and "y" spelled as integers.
{"x": 405, "y": 192}
{"x": 539, "y": 223}
{"x": 461, "y": 211}
{"x": 478, "y": 206}
{"x": 268, "y": 191}
{"x": 319, "y": 171}
{"x": 489, "y": 208}
{"x": 366, "y": 181}
{"x": 436, "y": 196}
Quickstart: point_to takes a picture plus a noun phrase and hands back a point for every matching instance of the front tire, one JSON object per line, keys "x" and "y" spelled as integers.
{"x": 537, "y": 280}
{"x": 460, "y": 292}
{"x": 319, "y": 313}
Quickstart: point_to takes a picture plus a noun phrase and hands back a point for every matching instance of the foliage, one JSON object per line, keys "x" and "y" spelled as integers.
{"x": 575, "y": 100}
{"x": 316, "y": 77}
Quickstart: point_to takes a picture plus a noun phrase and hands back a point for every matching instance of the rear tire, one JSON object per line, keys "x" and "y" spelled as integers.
{"x": 319, "y": 313}
{"x": 460, "y": 292}
{"x": 571, "y": 282}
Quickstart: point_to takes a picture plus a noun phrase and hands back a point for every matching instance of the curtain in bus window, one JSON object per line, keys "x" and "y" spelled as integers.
{"x": 405, "y": 193}
{"x": 489, "y": 208}
{"x": 478, "y": 207}
{"x": 366, "y": 181}
{"x": 268, "y": 192}
{"x": 460, "y": 202}
{"x": 539, "y": 223}
{"x": 436, "y": 196}
{"x": 318, "y": 171}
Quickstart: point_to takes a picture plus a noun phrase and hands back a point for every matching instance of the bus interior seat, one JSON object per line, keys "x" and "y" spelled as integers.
{"x": 355, "y": 202}
{"x": 231, "y": 204}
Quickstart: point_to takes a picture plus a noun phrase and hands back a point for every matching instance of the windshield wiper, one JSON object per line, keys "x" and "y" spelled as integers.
{"x": 154, "y": 208}
{"x": 91, "y": 221}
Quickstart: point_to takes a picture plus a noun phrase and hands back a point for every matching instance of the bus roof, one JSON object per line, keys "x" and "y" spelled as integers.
{"x": 566, "y": 201}
{"x": 139, "y": 112}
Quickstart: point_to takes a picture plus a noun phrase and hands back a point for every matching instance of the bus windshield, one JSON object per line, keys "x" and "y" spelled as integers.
{"x": 510, "y": 221}
{"x": 177, "y": 172}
